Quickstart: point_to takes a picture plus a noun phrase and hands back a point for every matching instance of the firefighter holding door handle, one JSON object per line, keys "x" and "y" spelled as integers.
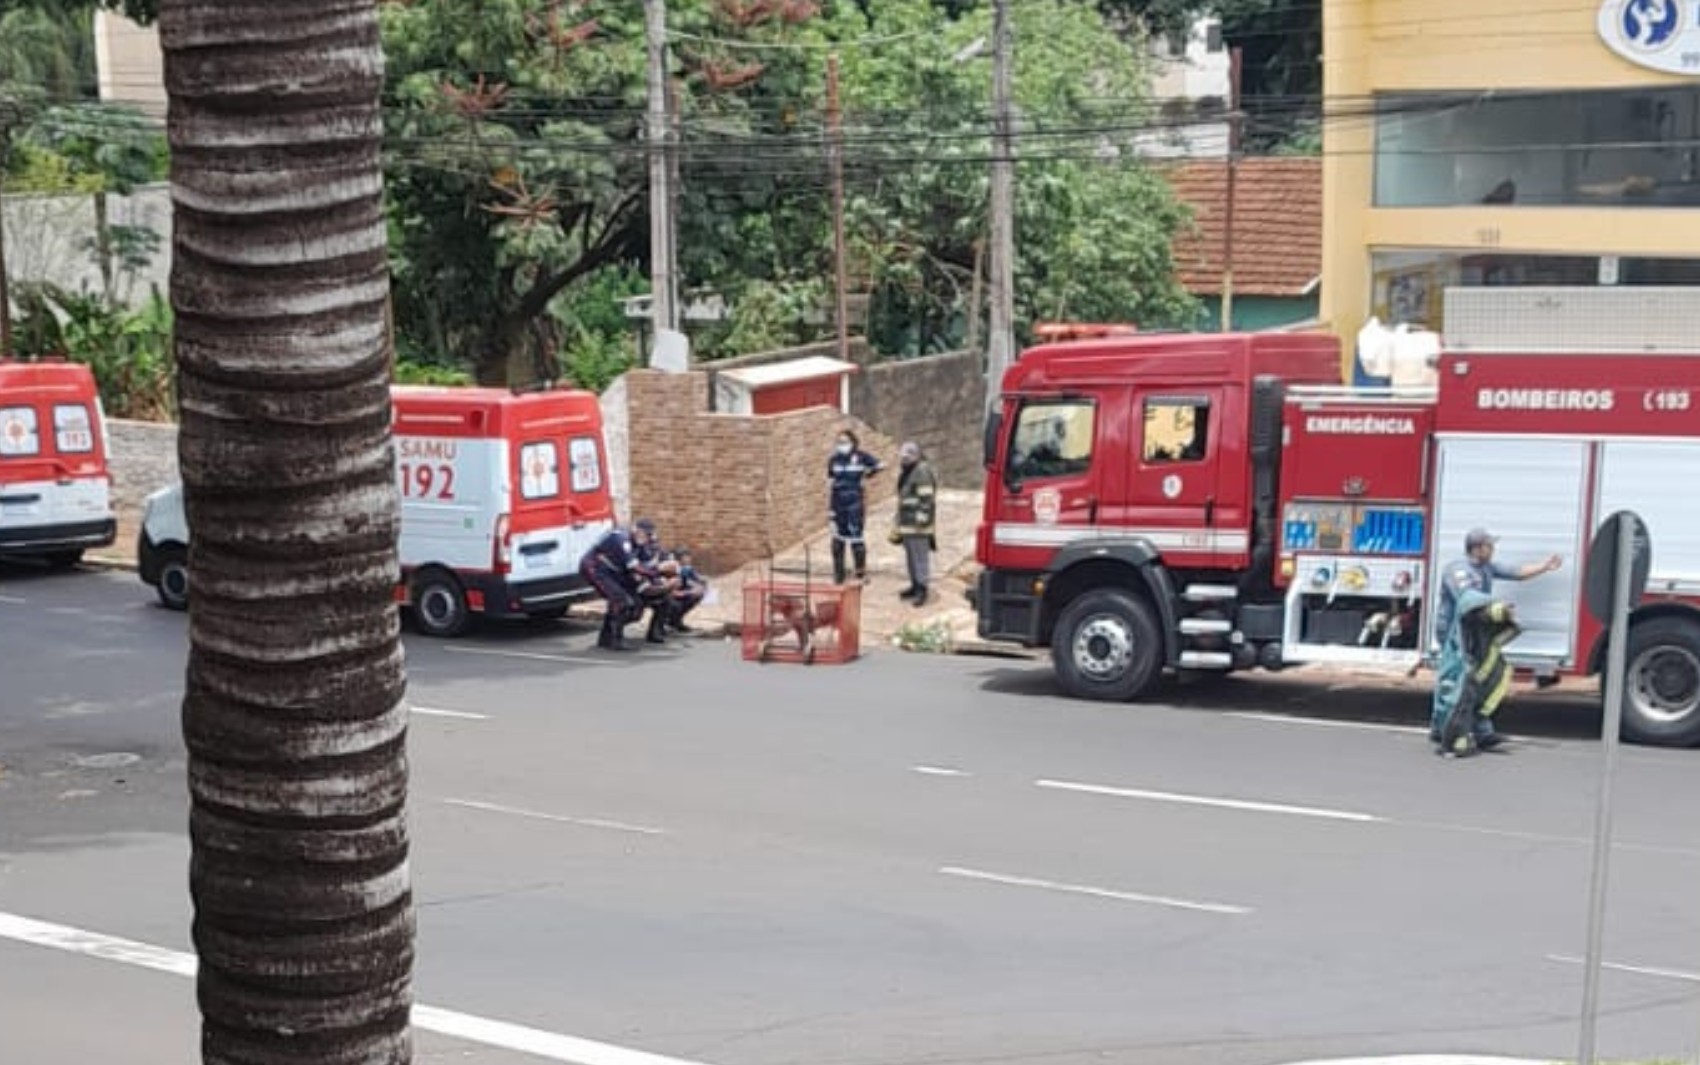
{"x": 1472, "y": 676}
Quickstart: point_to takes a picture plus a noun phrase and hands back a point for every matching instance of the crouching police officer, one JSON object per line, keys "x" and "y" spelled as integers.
{"x": 687, "y": 594}
{"x": 614, "y": 567}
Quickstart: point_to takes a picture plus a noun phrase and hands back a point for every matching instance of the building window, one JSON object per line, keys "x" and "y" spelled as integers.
{"x": 1213, "y": 37}
{"x": 1609, "y": 148}
{"x": 1053, "y": 438}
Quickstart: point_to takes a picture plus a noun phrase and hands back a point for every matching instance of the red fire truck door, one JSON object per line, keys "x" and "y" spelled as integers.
{"x": 1175, "y": 490}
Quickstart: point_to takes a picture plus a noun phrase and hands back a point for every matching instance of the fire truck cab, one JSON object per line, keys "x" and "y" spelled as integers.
{"x": 55, "y": 487}
{"x": 1220, "y": 502}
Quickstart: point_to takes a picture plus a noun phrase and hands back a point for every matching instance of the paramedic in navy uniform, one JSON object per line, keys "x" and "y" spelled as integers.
{"x": 848, "y": 467}
{"x": 614, "y": 568}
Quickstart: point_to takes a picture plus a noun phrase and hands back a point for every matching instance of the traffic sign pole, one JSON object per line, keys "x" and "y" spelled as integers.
{"x": 1616, "y": 656}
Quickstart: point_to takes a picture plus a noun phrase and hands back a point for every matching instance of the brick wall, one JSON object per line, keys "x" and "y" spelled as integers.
{"x": 737, "y": 488}
{"x": 938, "y": 402}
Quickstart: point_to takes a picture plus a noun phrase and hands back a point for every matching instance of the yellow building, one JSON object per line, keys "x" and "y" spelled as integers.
{"x": 1505, "y": 142}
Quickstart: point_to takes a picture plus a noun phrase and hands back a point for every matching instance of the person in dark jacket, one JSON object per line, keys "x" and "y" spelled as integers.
{"x": 687, "y": 594}
{"x": 846, "y": 471}
{"x": 917, "y": 515}
{"x": 615, "y": 568}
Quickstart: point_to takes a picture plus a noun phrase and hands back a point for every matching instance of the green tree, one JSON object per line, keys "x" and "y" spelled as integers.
{"x": 110, "y": 151}
{"x": 293, "y": 712}
{"x": 517, "y": 164}
{"x": 48, "y": 47}
{"x": 1281, "y": 57}
{"x": 1092, "y": 225}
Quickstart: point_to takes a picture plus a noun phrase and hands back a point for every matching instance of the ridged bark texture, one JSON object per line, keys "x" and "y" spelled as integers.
{"x": 293, "y": 712}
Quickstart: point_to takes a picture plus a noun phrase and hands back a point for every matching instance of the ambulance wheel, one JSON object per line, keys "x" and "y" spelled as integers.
{"x": 439, "y": 604}
{"x": 1662, "y": 683}
{"x": 1106, "y": 646}
{"x": 173, "y": 586}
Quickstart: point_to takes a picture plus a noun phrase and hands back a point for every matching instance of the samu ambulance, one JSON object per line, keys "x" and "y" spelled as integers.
{"x": 501, "y": 495}
{"x": 55, "y": 487}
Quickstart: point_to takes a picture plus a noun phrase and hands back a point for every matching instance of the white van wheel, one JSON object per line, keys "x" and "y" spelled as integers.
{"x": 173, "y": 587}
{"x": 439, "y": 605}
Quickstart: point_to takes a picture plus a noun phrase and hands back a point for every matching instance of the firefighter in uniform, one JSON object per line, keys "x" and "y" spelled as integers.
{"x": 846, "y": 470}
{"x": 614, "y": 568}
{"x": 917, "y": 510}
{"x": 1474, "y": 573}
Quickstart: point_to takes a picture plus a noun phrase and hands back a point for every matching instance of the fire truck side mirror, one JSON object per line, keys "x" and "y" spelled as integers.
{"x": 989, "y": 445}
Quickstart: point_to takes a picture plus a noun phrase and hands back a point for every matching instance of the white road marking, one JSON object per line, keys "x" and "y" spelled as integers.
{"x": 14, "y": 600}
{"x": 939, "y": 771}
{"x": 553, "y": 1046}
{"x": 583, "y": 822}
{"x": 426, "y": 711}
{"x": 536, "y": 656}
{"x": 1096, "y": 892}
{"x": 1204, "y": 800}
{"x": 1639, "y": 970}
{"x": 1323, "y": 722}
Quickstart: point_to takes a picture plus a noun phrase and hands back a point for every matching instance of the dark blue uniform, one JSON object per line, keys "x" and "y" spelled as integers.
{"x": 612, "y": 567}
{"x": 845, "y": 474}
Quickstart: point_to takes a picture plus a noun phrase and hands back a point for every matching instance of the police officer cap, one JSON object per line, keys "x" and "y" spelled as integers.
{"x": 646, "y": 525}
{"x": 1477, "y": 537}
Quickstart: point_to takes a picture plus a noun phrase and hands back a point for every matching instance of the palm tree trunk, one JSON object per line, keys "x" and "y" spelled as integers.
{"x": 293, "y": 712}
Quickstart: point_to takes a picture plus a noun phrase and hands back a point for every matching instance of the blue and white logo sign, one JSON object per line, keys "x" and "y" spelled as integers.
{"x": 1660, "y": 35}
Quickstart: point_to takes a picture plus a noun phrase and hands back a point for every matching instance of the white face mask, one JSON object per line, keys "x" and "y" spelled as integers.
{"x": 844, "y": 447}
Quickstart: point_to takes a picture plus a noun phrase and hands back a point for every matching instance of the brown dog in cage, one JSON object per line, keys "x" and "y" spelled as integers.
{"x": 791, "y": 615}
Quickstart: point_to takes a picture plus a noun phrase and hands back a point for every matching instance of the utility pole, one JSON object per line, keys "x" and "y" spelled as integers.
{"x": 1233, "y": 172}
{"x": 835, "y": 155}
{"x": 1000, "y": 348}
{"x": 675, "y": 195}
{"x": 5, "y": 295}
{"x": 662, "y": 312}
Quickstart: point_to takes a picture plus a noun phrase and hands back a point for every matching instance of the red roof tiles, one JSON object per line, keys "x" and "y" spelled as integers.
{"x": 1277, "y": 234}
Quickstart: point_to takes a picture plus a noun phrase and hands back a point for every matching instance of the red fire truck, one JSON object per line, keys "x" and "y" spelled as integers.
{"x": 1220, "y": 502}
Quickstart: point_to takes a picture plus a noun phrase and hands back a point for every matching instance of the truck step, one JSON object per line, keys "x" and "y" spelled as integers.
{"x": 1210, "y": 593}
{"x": 1206, "y": 660}
{"x": 1205, "y": 626}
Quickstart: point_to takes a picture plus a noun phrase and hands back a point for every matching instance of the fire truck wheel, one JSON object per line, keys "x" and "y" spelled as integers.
{"x": 173, "y": 587}
{"x": 1106, "y": 646}
{"x": 1662, "y": 686}
{"x": 439, "y": 604}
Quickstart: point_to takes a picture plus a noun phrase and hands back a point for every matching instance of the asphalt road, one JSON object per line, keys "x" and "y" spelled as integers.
{"x": 911, "y": 859}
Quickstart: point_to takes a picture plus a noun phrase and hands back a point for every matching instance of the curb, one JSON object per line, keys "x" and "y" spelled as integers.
{"x": 110, "y": 562}
{"x": 1427, "y": 1059}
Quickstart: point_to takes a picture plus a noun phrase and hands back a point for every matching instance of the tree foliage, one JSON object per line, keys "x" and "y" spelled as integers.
{"x": 518, "y": 171}
{"x": 518, "y": 164}
{"x": 1092, "y": 224}
{"x": 1281, "y": 56}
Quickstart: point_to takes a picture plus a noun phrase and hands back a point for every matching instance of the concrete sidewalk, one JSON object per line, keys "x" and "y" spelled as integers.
{"x": 945, "y": 623}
